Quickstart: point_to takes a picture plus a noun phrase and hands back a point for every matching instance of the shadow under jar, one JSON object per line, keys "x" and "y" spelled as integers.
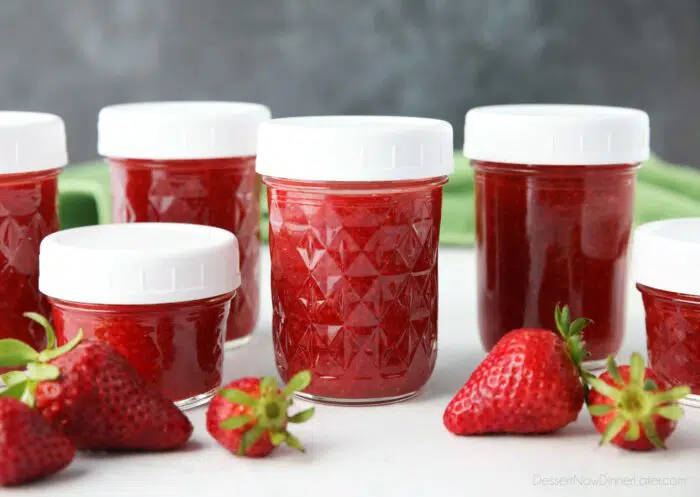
{"x": 32, "y": 153}
{"x": 160, "y": 293}
{"x": 191, "y": 162}
{"x": 668, "y": 278}
{"x": 355, "y": 209}
{"x": 554, "y": 187}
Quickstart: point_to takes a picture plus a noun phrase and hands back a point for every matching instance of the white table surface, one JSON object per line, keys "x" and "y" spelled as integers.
{"x": 403, "y": 449}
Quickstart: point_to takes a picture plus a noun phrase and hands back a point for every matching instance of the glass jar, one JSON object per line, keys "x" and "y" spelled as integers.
{"x": 554, "y": 188}
{"x": 191, "y": 162}
{"x": 668, "y": 277}
{"x": 160, "y": 293}
{"x": 355, "y": 206}
{"x": 32, "y": 153}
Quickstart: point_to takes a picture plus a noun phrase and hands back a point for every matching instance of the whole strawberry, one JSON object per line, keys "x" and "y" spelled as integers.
{"x": 29, "y": 447}
{"x": 633, "y": 407}
{"x": 249, "y": 416}
{"x": 90, "y": 393}
{"x": 529, "y": 383}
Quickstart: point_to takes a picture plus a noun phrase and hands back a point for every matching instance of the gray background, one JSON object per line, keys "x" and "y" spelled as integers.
{"x": 431, "y": 58}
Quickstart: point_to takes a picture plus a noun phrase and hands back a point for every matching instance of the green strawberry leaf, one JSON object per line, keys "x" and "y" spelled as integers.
{"x": 293, "y": 442}
{"x": 41, "y": 320}
{"x": 238, "y": 397}
{"x": 29, "y": 395}
{"x": 614, "y": 371}
{"x": 611, "y": 431}
{"x": 297, "y": 383}
{"x": 235, "y": 422}
{"x": 48, "y": 355}
{"x": 249, "y": 438}
{"x": 14, "y": 353}
{"x": 277, "y": 438}
{"x": 268, "y": 383}
{"x": 600, "y": 409}
{"x": 302, "y": 416}
{"x": 42, "y": 372}
{"x": 633, "y": 431}
{"x": 13, "y": 377}
{"x": 15, "y": 390}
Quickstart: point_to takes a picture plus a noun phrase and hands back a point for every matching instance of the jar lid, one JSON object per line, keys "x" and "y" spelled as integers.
{"x": 31, "y": 141}
{"x": 665, "y": 255}
{"x": 551, "y": 134}
{"x": 138, "y": 263}
{"x": 355, "y": 148}
{"x": 180, "y": 130}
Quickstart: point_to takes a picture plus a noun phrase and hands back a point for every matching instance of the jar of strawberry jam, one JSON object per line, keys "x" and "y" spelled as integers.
{"x": 158, "y": 292}
{"x": 191, "y": 162}
{"x": 554, "y": 188}
{"x": 668, "y": 277}
{"x": 355, "y": 207}
{"x": 32, "y": 153}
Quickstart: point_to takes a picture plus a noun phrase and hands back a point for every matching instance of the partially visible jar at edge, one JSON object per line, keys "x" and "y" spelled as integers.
{"x": 32, "y": 153}
{"x": 353, "y": 246}
{"x": 192, "y": 162}
{"x": 667, "y": 274}
{"x": 553, "y": 223}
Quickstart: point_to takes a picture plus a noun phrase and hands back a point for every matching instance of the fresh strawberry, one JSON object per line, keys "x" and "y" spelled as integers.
{"x": 633, "y": 407}
{"x": 91, "y": 394}
{"x": 529, "y": 383}
{"x": 249, "y": 416}
{"x": 30, "y": 448}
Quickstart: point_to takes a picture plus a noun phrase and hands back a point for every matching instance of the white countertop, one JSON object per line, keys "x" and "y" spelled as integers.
{"x": 403, "y": 449}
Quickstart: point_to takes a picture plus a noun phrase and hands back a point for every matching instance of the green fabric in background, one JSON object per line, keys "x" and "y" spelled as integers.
{"x": 663, "y": 191}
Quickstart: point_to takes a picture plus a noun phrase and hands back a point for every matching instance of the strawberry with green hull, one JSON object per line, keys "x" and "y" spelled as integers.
{"x": 31, "y": 449}
{"x": 633, "y": 407}
{"x": 530, "y": 382}
{"x": 249, "y": 416}
{"x": 87, "y": 391}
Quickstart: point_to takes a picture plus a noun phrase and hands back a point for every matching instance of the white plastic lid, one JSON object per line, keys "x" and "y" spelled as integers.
{"x": 138, "y": 263}
{"x": 355, "y": 148}
{"x": 180, "y": 130}
{"x": 666, "y": 255}
{"x": 31, "y": 141}
{"x": 551, "y": 134}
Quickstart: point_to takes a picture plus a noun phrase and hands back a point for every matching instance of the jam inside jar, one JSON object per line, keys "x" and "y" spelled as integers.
{"x": 191, "y": 162}
{"x": 32, "y": 154}
{"x": 555, "y": 191}
{"x": 176, "y": 348}
{"x": 673, "y": 337}
{"x": 224, "y": 193}
{"x": 553, "y": 234}
{"x": 27, "y": 214}
{"x": 354, "y": 285}
{"x": 160, "y": 293}
{"x": 354, "y": 212}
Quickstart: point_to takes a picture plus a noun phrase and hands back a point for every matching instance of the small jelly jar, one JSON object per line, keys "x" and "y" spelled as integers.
{"x": 355, "y": 205}
{"x": 191, "y": 162}
{"x": 554, "y": 188}
{"x": 667, "y": 273}
{"x": 158, "y": 292}
{"x": 32, "y": 153}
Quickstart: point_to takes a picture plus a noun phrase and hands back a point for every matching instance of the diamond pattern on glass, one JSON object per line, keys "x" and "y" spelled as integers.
{"x": 354, "y": 289}
{"x": 220, "y": 193}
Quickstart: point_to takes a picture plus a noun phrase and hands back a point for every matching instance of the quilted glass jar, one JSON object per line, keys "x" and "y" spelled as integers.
{"x": 32, "y": 153}
{"x": 160, "y": 293}
{"x": 555, "y": 189}
{"x": 191, "y": 162}
{"x": 668, "y": 277}
{"x": 355, "y": 205}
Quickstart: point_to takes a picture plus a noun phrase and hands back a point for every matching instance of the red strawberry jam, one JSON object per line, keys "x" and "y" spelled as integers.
{"x": 354, "y": 260}
{"x": 673, "y": 336}
{"x": 175, "y": 347}
{"x": 32, "y": 149}
{"x": 159, "y": 292}
{"x": 191, "y": 162}
{"x": 668, "y": 277}
{"x": 554, "y": 188}
{"x": 224, "y": 193}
